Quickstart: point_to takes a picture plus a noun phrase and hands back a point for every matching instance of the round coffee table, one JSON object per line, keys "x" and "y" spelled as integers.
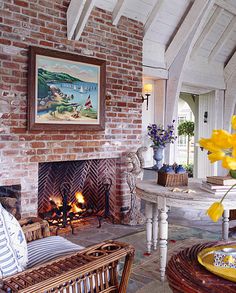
{"x": 185, "y": 274}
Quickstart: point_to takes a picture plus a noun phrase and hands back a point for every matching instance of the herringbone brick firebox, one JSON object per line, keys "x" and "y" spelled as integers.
{"x": 85, "y": 177}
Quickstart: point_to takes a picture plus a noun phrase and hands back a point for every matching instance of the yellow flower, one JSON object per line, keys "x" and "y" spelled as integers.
{"x": 207, "y": 144}
{"x": 229, "y": 163}
{"x": 234, "y": 152}
{"x": 216, "y": 156}
{"x": 233, "y": 122}
{"x": 222, "y": 138}
{"x": 221, "y": 146}
{"x": 215, "y": 211}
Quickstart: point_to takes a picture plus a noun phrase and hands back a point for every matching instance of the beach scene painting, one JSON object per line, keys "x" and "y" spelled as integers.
{"x": 66, "y": 91}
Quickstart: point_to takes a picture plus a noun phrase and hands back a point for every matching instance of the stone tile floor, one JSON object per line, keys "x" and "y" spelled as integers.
{"x": 145, "y": 274}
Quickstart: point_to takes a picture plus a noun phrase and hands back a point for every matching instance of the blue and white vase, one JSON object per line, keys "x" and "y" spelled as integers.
{"x": 157, "y": 156}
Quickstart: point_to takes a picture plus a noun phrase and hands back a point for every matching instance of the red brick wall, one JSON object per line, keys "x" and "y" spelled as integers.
{"x": 43, "y": 23}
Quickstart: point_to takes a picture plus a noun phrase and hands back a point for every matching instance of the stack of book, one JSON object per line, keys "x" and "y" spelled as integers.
{"x": 219, "y": 185}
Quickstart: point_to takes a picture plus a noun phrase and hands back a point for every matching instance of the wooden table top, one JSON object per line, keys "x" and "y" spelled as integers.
{"x": 149, "y": 190}
{"x": 185, "y": 274}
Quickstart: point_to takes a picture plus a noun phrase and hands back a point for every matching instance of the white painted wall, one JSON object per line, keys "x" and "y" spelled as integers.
{"x": 154, "y": 114}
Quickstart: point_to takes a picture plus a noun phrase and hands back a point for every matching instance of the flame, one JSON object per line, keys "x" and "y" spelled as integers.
{"x": 79, "y": 197}
{"x": 56, "y": 200}
{"x": 75, "y": 209}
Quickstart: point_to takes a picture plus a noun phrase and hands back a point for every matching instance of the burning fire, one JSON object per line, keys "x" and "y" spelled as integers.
{"x": 79, "y": 206}
{"x": 75, "y": 209}
{"x": 56, "y": 205}
{"x": 79, "y": 197}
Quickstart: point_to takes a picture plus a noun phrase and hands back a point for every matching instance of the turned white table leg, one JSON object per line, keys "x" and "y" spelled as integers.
{"x": 225, "y": 225}
{"x": 155, "y": 225}
{"x": 148, "y": 214}
{"x": 163, "y": 241}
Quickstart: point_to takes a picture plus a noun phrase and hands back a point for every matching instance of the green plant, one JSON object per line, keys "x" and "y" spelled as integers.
{"x": 189, "y": 169}
{"x": 186, "y": 128}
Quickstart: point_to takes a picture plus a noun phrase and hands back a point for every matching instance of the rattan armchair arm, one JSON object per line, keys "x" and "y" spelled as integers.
{"x": 86, "y": 268}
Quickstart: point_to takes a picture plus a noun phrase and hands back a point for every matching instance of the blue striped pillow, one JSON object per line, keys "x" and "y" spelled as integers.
{"x": 13, "y": 246}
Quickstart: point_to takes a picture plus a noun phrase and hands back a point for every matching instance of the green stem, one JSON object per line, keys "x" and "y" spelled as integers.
{"x": 227, "y": 192}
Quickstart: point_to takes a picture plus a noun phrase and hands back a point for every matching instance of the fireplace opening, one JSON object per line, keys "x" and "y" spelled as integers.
{"x": 71, "y": 191}
{"x": 10, "y": 198}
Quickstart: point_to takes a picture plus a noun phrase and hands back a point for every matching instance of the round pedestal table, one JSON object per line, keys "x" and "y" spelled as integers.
{"x": 159, "y": 199}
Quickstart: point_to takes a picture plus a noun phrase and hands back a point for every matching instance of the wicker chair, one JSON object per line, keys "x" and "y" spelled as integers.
{"x": 91, "y": 270}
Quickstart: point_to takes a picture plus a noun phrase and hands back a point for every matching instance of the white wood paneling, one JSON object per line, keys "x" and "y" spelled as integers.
{"x": 223, "y": 39}
{"x": 186, "y": 28}
{"x": 200, "y": 73}
{"x": 227, "y": 6}
{"x": 207, "y": 103}
{"x": 153, "y": 15}
{"x": 153, "y": 54}
{"x": 215, "y": 15}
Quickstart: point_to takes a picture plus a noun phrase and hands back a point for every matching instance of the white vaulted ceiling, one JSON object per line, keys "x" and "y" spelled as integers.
{"x": 214, "y": 45}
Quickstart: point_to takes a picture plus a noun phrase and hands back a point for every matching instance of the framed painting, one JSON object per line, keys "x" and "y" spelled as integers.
{"x": 65, "y": 91}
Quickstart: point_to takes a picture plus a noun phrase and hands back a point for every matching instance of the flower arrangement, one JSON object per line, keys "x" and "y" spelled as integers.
{"x": 221, "y": 147}
{"x": 160, "y": 136}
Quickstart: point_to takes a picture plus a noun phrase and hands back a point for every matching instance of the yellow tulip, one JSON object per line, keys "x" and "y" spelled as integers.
{"x": 233, "y": 122}
{"x": 207, "y": 144}
{"x": 215, "y": 211}
{"x": 229, "y": 163}
{"x": 216, "y": 156}
{"x": 222, "y": 139}
{"x": 234, "y": 139}
{"x": 234, "y": 152}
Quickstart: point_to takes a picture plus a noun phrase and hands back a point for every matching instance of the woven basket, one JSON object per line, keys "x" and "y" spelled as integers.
{"x": 166, "y": 179}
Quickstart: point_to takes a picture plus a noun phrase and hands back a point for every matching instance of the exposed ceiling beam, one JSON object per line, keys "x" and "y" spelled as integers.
{"x": 213, "y": 19}
{"x": 177, "y": 66}
{"x": 223, "y": 39}
{"x": 88, "y": 6}
{"x": 193, "y": 16}
{"x": 229, "y": 69}
{"x": 118, "y": 11}
{"x": 155, "y": 73}
{"x": 73, "y": 14}
{"x": 153, "y": 16}
{"x": 227, "y": 6}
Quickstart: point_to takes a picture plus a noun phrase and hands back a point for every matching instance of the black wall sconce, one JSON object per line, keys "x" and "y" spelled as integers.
{"x": 147, "y": 89}
{"x": 205, "y": 116}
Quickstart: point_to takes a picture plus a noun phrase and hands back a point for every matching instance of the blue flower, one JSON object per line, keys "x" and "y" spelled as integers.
{"x": 161, "y": 136}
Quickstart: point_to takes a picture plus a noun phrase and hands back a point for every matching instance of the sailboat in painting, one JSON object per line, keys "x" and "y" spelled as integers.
{"x": 88, "y": 103}
{"x": 82, "y": 91}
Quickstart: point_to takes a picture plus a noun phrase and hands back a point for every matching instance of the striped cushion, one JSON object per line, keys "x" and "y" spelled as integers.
{"x": 43, "y": 250}
{"x": 16, "y": 237}
{"x": 8, "y": 260}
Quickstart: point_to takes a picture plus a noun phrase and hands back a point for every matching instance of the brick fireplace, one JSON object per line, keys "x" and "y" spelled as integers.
{"x": 43, "y": 23}
{"x": 83, "y": 184}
